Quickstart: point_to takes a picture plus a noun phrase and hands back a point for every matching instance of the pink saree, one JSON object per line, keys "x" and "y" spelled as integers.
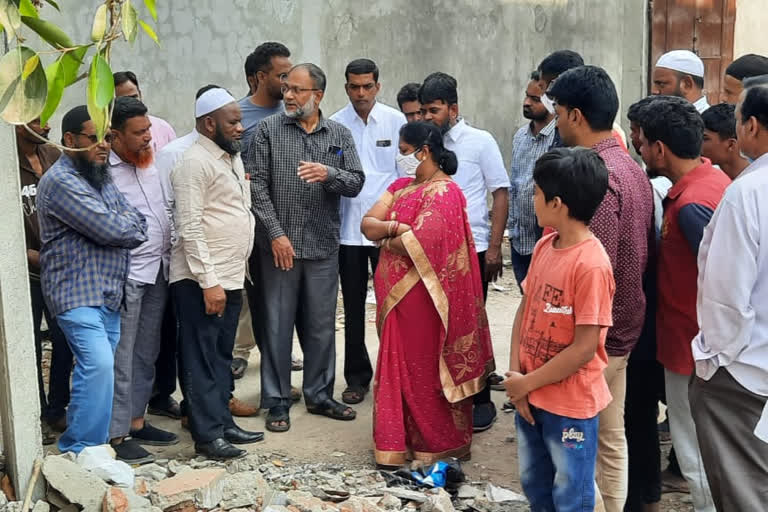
{"x": 435, "y": 347}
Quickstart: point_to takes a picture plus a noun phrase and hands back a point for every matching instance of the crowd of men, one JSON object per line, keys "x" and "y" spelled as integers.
{"x": 152, "y": 256}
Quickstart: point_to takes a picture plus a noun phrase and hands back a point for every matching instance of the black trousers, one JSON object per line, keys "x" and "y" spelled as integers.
{"x": 205, "y": 358}
{"x": 645, "y": 382}
{"x": 55, "y": 405}
{"x": 353, "y": 271}
{"x": 166, "y": 364}
{"x": 483, "y": 396}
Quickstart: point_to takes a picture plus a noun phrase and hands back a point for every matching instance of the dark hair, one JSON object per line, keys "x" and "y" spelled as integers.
{"x": 315, "y": 73}
{"x": 577, "y": 176}
{"x": 261, "y": 58}
{"x": 591, "y": 90}
{"x": 205, "y": 89}
{"x": 535, "y": 75}
{"x": 676, "y": 123}
{"x": 362, "y": 67}
{"x": 557, "y": 63}
{"x": 422, "y": 133}
{"x": 73, "y": 120}
{"x": 698, "y": 81}
{"x": 126, "y": 108}
{"x": 125, "y": 76}
{"x": 439, "y": 87}
{"x": 635, "y": 110}
{"x": 755, "y": 105}
{"x": 408, "y": 92}
{"x": 721, "y": 119}
{"x": 747, "y": 65}
{"x": 755, "y": 80}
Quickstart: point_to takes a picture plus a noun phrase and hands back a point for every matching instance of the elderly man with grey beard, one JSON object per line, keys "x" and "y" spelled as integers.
{"x": 300, "y": 164}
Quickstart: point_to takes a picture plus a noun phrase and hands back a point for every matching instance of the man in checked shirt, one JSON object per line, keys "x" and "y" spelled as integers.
{"x": 87, "y": 229}
{"x": 300, "y": 164}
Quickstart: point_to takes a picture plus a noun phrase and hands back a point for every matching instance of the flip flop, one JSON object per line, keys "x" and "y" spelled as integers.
{"x": 354, "y": 394}
{"x": 275, "y": 416}
{"x": 330, "y": 408}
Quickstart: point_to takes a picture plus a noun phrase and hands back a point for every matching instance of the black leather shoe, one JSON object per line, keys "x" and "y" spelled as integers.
{"x": 219, "y": 449}
{"x": 236, "y": 435}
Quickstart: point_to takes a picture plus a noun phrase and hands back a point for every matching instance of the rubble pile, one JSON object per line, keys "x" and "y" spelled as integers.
{"x": 266, "y": 482}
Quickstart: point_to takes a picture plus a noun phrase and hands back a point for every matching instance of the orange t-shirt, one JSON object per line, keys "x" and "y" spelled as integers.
{"x": 565, "y": 288}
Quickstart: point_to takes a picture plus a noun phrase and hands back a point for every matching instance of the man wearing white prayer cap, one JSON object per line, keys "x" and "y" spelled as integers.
{"x": 680, "y": 73}
{"x": 214, "y": 237}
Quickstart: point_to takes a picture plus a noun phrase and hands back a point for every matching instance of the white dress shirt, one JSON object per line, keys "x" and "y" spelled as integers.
{"x": 481, "y": 170}
{"x": 733, "y": 284}
{"x": 167, "y": 158}
{"x": 144, "y": 191}
{"x": 377, "y": 146}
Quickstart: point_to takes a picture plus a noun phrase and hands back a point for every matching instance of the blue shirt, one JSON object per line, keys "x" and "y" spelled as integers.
{"x": 86, "y": 236}
{"x": 524, "y": 230}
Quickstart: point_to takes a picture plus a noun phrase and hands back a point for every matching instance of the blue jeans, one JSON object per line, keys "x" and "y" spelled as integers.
{"x": 557, "y": 461}
{"x": 93, "y": 334}
{"x": 520, "y": 264}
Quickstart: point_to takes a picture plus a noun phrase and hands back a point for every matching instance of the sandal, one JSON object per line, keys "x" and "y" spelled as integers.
{"x": 239, "y": 365}
{"x": 276, "y": 415}
{"x": 354, "y": 394}
{"x": 332, "y": 409}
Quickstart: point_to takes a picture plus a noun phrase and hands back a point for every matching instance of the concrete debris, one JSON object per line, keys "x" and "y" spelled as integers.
{"x": 469, "y": 492}
{"x": 115, "y": 500}
{"x": 3, "y": 499}
{"x": 100, "y": 460}
{"x": 202, "y": 487}
{"x": 407, "y": 494}
{"x": 243, "y": 490}
{"x": 151, "y": 471}
{"x": 76, "y": 484}
{"x": 440, "y": 502}
{"x": 14, "y": 506}
{"x": 41, "y": 506}
{"x": 389, "y": 502}
{"x": 496, "y": 494}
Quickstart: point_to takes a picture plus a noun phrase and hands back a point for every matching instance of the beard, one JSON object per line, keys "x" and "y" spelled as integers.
{"x": 97, "y": 175}
{"x": 302, "y": 111}
{"x": 229, "y": 144}
{"x": 141, "y": 158}
{"x": 530, "y": 114}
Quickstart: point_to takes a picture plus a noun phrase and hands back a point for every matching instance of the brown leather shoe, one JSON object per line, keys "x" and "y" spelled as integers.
{"x": 242, "y": 409}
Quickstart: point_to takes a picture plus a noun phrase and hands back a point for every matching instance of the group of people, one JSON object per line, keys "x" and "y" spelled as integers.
{"x": 152, "y": 255}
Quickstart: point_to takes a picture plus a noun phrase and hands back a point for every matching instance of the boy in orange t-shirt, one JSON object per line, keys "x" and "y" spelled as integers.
{"x": 558, "y": 339}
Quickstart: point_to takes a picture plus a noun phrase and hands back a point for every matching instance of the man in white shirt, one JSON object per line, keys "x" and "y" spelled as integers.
{"x": 375, "y": 128}
{"x": 728, "y": 395}
{"x": 680, "y": 73}
{"x": 481, "y": 170}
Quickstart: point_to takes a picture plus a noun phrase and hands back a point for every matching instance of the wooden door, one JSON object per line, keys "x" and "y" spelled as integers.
{"x": 702, "y": 26}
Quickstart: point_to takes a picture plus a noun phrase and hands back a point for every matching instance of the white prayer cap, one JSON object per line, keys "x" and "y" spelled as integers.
{"x": 212, "y": 99}
{"x": 682, "y": 61}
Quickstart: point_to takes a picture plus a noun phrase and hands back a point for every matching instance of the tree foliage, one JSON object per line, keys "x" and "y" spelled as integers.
{"x": 30, "y": 89}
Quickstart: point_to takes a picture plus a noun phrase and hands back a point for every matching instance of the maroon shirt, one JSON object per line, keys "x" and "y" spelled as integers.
{"x": 623, "y": 223}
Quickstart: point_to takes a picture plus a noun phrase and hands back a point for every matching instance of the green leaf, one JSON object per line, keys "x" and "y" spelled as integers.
{"x": 10, "y": 17}
{"x": 150, "y": 5}
{"x": 71, "y": 62}
{"x": 101, "y": 90}
{"x": 150, "y": 32}
{"x": 21, "y": 100}
{"x": 54, "y": 4}
{"x": 27, "y": 9}
{"x": 30, "y": 66}
{"x": 130, "y": 17}
{"x": 49, "y": 32}
{"x": 55, "y": 75}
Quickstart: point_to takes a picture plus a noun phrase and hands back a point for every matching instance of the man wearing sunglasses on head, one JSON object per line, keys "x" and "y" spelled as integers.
{"x": 87, "y": 229}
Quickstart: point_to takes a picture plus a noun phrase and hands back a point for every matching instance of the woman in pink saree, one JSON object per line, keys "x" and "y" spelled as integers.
{"x": 435, "y": 347}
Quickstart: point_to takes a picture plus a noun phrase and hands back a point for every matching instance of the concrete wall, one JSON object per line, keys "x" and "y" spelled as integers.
{"x": 751, "y": 20}
{"x": 490, "y": 46}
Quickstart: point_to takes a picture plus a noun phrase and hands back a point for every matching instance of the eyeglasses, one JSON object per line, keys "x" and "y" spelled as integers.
{"x": 94, "y": 139}
{"x": 294, "y": 90}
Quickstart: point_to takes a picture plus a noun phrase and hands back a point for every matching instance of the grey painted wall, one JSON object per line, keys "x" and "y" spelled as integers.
{"x": 490, "y": 46}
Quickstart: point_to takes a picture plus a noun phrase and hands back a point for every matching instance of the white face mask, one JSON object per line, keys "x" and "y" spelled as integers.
{"x": 408, "y": 163}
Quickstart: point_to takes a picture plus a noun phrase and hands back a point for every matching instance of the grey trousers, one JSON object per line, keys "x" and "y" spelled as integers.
{"x": 304, "y": 298}
{"x": 735, "y": 460}
{"x": 141, "y": 318}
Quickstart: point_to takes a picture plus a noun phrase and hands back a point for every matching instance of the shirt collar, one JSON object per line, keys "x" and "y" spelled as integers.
{"x": 693, "y": 175}
{"x": 546, "y": 131}
{"x": 761, "y": 162}
{"x": 213, "y": 148}
{"x": 701, "y": 104}
{"x": 454, "y": 134}
{"x": 322, "y": 123}
{"x": 607, "y": 143}
{"x": 115, "y": 160}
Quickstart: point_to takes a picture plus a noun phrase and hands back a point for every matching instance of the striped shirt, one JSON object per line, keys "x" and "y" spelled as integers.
{"x": 523, "y": 228}
{"x": 86, "y": 236}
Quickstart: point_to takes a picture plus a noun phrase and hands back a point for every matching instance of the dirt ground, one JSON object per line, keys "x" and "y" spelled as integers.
{"x": 316, "y": 439}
